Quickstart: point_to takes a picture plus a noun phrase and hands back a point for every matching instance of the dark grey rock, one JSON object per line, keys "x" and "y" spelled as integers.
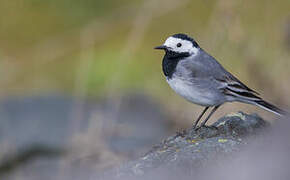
{"x": 39, "y": 129}
{"x": 193, "y": 149}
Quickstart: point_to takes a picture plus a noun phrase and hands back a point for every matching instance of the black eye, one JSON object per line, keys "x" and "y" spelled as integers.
{"x": 178, "y": 44}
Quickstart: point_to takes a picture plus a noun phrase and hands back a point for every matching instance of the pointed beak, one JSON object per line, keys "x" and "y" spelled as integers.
{"x": 161, "y": 47}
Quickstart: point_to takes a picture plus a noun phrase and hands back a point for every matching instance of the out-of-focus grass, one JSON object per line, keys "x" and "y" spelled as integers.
{"x": 42, "y": 43}
{"x": 24, "y": 23}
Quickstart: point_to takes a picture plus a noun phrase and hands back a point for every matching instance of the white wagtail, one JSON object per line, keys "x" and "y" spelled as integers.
{"x": 199, "y": 78}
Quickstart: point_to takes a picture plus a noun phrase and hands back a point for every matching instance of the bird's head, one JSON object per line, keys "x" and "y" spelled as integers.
{"x": 180, "y": 44}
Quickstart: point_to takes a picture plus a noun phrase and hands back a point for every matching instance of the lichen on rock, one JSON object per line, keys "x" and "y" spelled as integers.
{"x": 196, "y": 148}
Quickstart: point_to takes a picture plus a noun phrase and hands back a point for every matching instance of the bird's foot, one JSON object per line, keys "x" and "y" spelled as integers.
{"x": 205, "y": 126}
{"x": 180, "y": 133}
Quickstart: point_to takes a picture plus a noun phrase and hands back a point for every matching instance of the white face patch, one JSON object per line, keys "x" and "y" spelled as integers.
{"x": 186, "y": 46}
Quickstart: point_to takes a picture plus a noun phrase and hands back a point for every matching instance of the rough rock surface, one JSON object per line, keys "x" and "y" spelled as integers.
{"x": 194, "y": 149}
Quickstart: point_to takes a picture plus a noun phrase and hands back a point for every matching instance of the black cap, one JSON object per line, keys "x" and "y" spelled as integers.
{"x": 186, "y": 37}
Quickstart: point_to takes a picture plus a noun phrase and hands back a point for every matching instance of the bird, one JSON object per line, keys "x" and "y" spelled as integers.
{"x": 199, "y": 78}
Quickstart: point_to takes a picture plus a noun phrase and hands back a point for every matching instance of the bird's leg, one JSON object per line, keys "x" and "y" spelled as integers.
{"x": 210, "y": 114}
{"x": 199, "y": 117}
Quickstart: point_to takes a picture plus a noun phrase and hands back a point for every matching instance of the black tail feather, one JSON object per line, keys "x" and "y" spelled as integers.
{"x": 270, "y": 107}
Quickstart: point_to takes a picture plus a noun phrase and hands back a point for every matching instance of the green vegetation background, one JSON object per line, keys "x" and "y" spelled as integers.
{"x": 105, "y": 47}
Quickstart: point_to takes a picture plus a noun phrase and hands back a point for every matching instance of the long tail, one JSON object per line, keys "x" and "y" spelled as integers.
{"x": 270, "y": 107}
{"x": 244, "y": 94}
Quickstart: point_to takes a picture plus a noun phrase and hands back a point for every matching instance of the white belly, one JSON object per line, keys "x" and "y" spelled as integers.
{"x": 191, "y": 93}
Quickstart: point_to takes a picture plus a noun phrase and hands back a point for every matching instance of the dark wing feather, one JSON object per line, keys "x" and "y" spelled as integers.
{"x": 236, "y": 88}
{"x": 238, "y": 84}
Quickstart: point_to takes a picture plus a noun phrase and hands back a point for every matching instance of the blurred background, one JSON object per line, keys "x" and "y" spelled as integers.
{"x": 82, "y": 89}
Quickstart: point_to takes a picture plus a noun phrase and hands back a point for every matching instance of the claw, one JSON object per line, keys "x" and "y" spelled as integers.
{"x": 205, "y": 126}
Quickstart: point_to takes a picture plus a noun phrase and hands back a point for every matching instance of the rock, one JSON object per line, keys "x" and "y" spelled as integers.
{"x": 194, "y": 149}
{"x": 36, "y": 132}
